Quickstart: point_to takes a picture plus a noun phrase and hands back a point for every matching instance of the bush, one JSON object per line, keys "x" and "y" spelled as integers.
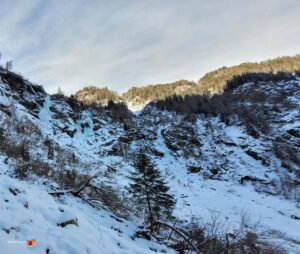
{"x": 211, "y": 237}
{"x": 37, "y": 167}
{"x": 288, "y": 155}
{"x": 111, "y": 199}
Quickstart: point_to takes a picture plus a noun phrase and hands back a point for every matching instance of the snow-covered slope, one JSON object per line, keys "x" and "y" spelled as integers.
{"x": 212, "y": 167}
{"x": 28, "y": 212}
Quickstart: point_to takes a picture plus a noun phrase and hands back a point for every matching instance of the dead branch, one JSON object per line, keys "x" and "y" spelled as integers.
{"x": 86, "y": 184}
{"x": 74, "y": 192}
{"x": 180, "y": 234}
{"x": 59, "y": 193}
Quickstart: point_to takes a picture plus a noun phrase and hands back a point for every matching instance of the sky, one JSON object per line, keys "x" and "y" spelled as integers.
{"x": 120, "y": 44}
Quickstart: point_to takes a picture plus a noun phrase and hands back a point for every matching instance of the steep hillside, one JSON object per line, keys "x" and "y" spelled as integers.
{"x": 137, "y": 97}
{"x": 65, "y": 225}
{"x": 232, "y": 165}
{"x": 216, "y": 81}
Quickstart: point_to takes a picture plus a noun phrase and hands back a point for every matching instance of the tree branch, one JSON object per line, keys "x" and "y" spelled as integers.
{"x": 74, "y": 192}
{"x": 180, "y": 234}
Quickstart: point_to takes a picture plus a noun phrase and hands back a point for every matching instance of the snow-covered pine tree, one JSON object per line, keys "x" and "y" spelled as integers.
{"x": 150, "y": 191}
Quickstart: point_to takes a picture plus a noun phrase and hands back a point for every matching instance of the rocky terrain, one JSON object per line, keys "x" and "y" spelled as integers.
{"x": 228, "y": 156}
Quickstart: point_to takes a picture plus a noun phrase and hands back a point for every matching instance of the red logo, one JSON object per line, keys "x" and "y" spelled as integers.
{"x": 31, "y": 243}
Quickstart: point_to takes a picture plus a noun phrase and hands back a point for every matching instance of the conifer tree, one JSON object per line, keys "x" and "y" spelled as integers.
{"x": 60, "y": 92}
{"x": 150, "y": 191}
{"x": 8, "y": 65}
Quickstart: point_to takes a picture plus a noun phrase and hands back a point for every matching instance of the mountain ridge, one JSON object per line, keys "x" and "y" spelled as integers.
{"x": 213, "y": 82}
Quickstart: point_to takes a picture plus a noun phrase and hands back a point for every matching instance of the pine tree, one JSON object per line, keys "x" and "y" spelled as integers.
{"x": 150, "y": 191}
{"x": 8, "y": 65}
{"x": 59, "y": 91}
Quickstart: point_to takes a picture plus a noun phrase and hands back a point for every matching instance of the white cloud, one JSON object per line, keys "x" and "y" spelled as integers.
{"x": 123, "y": 43}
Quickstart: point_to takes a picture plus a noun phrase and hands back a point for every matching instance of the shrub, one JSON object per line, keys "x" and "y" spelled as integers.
{"x": 212, "y": 237}
{"x": 36, "y": 166}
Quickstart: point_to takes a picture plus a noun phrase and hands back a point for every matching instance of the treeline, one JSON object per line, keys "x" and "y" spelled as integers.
{"x": 218, "y": 103}
{"x": 104, "y": 99}
{"x": 94, "y": 95}
{"x": 238, "y": 80}
{"x": 159, "y": 91}
{"x": 215, "y": 81}
{"x": 119, "y": 111}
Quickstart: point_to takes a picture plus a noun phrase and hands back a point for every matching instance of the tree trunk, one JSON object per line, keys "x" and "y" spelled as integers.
{"x": 150, "y": 211}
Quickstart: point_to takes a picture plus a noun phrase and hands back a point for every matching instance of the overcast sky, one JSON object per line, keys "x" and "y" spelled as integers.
{"x": 119, "y": 44}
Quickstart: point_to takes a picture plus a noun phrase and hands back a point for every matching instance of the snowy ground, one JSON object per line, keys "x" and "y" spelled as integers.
{"x": 29, "y": 212}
